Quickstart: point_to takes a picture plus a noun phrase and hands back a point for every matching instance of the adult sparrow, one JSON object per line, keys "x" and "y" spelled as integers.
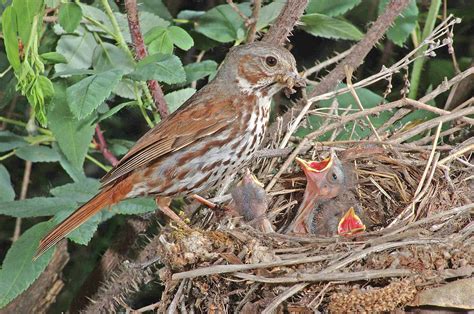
{"x": 211, "y": 136}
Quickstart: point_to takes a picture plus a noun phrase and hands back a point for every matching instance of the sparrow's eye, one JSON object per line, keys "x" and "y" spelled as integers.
{"x": 271, "y": 61}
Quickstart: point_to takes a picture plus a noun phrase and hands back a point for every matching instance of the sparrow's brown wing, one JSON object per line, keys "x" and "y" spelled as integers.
{"x": 194, "y": 120}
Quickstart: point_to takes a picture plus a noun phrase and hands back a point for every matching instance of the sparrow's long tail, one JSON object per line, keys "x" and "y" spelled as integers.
{"x": 108, "y": 196}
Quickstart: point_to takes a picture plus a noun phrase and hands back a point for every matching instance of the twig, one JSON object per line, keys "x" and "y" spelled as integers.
{"x": 237, "y": 10}
{"x": 281, "y": 297}
{"x": 432, "y": 123}
{"x": 460, "y": 152}
{"x": 141, "y": 52}
{"x": 322, "y": 65}
{"x": 253, "y": 20}
{"x": 24, "y": 191}
{"x": 223, "y": 269}
{"x": 359, "y": 52}
{"x": 103, "y": 147}
{"x": 289, "y": 15}
{"x": 354, "y": 276}
{"x": 174, "y": 304}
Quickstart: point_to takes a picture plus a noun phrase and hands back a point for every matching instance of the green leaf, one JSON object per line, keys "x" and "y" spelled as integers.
{"x": 155, "y": 6}
{"x": 36, "y": 153}
{"x": 404, "y": 24}
{"x": 77, "y": 50}
{"x": 223, "y": 24}
{"x": 180, "y": 37}
{"x": 269, "y": 13}
{"x": 52, "y": 3}
{"x": 70, "y": 15}
{"x": 36, "y": 207}
{"x": 81, "y": 191}
{"x": 159, "y": 41}
{"x": 329, "y": 27}
{"x": 134, "y": 206}
{"x": 73, "y": 135}
{"x": 331, "y": 7}
{"x": 86, "y": 95}
{"x": 116, "y": 109}
{"x": 190, "y": 14}
{"x": 164, "y": 68}
{"x": 108, "y": 56}
{"x": 76, "y": 174}
{"x": 9, "y": 27}
{"x": 19, "y": 270}
{"x": 6, "y": 190}
{"x": 53, "y": 57}
{"x": 9, "y": 141}
{"x": 147, "y": 22}
{"x": 177, "y": 98}
{"x": 25, "y": 13}
{"x": 199, "y": 70}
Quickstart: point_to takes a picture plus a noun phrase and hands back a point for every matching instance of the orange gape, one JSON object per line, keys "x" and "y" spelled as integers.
{"x": 213, "y": 135}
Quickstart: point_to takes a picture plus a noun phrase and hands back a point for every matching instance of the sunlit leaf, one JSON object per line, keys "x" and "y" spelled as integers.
{"x": 329, "y": 27}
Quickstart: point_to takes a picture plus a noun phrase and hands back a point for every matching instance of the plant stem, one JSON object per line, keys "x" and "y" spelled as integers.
{"x": 117, "y": 32}
{"x": 98, "y": 163}
{"x": 23, "y": 124}
{"x": 418, "y": 65}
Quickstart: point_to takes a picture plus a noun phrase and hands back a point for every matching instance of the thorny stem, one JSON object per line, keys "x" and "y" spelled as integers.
{"x": 103, "y": 147}
{"x": 281, "y": 29}
{"x": 254, "y": 19}
{"x": 141, "y": 52}
{"x": 117, "y": 34}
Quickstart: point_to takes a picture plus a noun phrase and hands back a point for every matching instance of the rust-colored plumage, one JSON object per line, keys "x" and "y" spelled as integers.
{"x": 210, "y": 137}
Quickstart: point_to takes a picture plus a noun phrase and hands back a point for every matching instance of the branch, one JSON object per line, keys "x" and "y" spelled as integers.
{"x": 141, "y": 52}
{"x": 104, "y": 148}
{"x": 353, "y": 60}
{"x": 281, "y": 29}
{"x": 253, "y": 21}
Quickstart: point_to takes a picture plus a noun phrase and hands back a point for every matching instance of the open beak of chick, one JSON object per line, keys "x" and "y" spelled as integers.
{"x": 350, "y": 224}
{"x": 323, "y": 181}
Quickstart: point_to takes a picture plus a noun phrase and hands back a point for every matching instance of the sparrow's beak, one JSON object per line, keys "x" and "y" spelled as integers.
{"x": 350, "y": 224}
{"x": 292, "y": 79}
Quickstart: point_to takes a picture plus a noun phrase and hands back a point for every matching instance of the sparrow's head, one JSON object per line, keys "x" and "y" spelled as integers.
{"x": 261, "y": 68}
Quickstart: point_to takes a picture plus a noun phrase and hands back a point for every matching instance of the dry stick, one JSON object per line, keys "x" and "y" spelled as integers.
{"x": 237, "y": 10}
{"x": 281, "y": 29}
{"x": 469, "y": 148}
{"x": 354, "y": 276}
{"x": 354, "y": 59}
{"x": 349, "y": 71}
{"x": 322, "y": 65}
{"x": 280, "y": 298}
{"x": 224, "y": 269}
{"x": 432, "y": 123}
{"x": 417, "y": 194}
{"x": 254, "y": 19}
{"x": 23, "y": 192}
{"x": 141, "y": 52}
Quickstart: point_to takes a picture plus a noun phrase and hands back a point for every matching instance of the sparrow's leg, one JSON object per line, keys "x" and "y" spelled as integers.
{"x": 163, "y": 204}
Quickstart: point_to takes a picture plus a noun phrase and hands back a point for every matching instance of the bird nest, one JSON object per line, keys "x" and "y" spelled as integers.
{"x": 419, "y": 236}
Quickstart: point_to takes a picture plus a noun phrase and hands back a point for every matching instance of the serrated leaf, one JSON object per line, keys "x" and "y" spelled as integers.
{"x": 73, "y": 135}
{"x": 77, "y": 50}
{"x": 81, "y": 191}
{"x": 328, "y": 27}
{"x": 180, "y": 37}
{"x": 147, "y": 22}
{"x": 6, "y": 190}
{"x": 86, "y": 95}
{"x": 25, "y": 13}
{"x": 9, "y": 141}
{"x": 108, "y": 56}
{"x": 70, "y": 15}
{"x": 177, "y": 98}
{"x": 36, "y": 207}
{"x": 159, "y": 41}
{"x": 404, "y": 24}
{"x": 199, "y": 70}
{"x": 164, "y": 68}
{"x": 19, "y": 270}
{"x": 223, "y": 24}
{"x": 53, "y": 57}
{"x": 331, "y": 7}
{"x": 37, "y": 153}
{"x": 134, "y": 206}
